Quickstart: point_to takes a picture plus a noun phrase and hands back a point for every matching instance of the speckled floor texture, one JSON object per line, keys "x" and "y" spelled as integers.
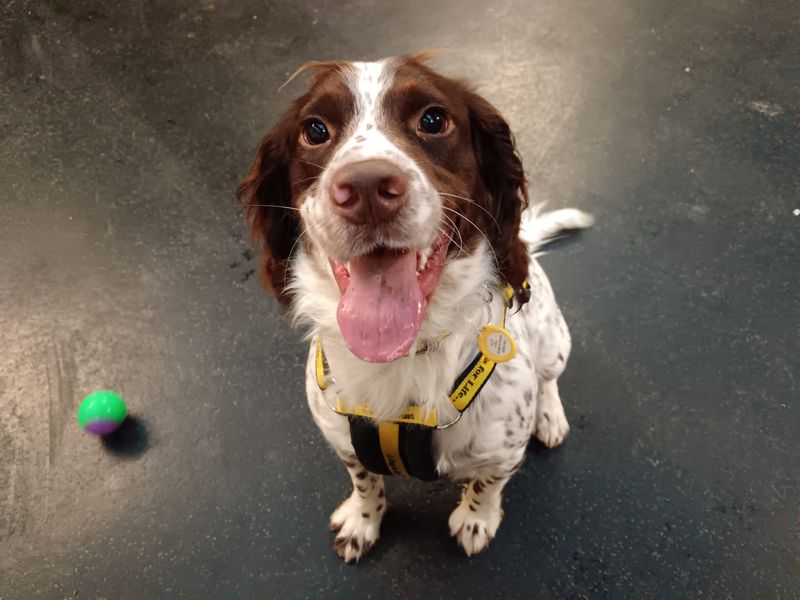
{"x": 124, "y": 128}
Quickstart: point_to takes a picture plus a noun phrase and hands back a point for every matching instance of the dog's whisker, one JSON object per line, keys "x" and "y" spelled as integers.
{"x": 306, "y": 227}
{"x": 442, "y": 230}
{"x": 308, "y": 162}
{"x": 272, "y": 206}
{"x": 454, "y": 229}
{"x": 491, "y": 216}
{"x": 478, "y": 229}
{"x": 306, "y": 179}
{"x": 289, "y": 259}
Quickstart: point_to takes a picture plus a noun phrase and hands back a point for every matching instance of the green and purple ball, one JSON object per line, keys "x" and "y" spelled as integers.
{"x": 102, "y": 412}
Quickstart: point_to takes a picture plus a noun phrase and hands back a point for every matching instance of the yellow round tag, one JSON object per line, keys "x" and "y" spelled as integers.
{"x": 497, "y": 343}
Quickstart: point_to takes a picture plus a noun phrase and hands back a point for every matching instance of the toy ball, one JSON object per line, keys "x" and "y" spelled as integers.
{"x": 102, "y": 412}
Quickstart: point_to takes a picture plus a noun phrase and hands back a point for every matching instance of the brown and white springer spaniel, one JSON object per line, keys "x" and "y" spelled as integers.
{"x": 392, "y": 209}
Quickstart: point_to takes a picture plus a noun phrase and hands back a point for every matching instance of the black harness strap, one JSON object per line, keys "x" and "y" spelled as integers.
{"x": 414, "y": 443}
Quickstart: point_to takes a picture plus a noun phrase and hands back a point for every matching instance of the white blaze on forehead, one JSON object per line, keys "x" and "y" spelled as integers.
{"x": 367, "y": 137}
{"x": 370, "y": 80}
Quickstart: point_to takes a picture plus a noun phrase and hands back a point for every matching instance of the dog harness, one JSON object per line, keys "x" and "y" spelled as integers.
{"x": 404, "y": 445}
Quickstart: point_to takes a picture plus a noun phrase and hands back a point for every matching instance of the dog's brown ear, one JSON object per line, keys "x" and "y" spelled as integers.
{"x": 503, "y": 178}
{"x": 266, "y": 199}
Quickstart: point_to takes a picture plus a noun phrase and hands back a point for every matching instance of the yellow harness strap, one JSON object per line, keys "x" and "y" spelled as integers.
{"x": 465, "y": 390}
{"x": 390, "y": 434}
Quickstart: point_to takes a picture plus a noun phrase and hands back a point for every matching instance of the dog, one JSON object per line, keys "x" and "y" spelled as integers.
{"x": 392, "y": 208}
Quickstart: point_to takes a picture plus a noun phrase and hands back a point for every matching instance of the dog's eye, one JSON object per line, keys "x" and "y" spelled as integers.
{"x": 316, "y": 133}
{"x": 433, "y": 121}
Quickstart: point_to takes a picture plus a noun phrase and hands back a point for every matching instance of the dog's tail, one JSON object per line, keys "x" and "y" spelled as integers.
{"x": 540, "y": 230}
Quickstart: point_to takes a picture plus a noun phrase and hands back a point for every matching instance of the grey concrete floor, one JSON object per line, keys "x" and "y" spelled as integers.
{"x": 124, "y": 128}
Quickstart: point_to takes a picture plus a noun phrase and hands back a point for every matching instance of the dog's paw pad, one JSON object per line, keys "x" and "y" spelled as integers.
{"x": 474, "y": 530}
{"x": 356, "y": 524}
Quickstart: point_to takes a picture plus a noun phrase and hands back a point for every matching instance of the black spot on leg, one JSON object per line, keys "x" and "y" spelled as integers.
{"x": 381, "y": 494}
{"x": 546, "y": 417}
{"x": 560, "y": 357}
{"x": 361, "y": 138}
{"x": 528, "y": 363}
{"x": 369, "y": 126}
{"x": 509, "y": 433}
{"x": 521, "y": 418}
{"x": 472, "y": 508}
{"x": 361, "y": 475}
{"x": 477, "y": 486}
{"x": 528, "y": 396}
{"x": 361, "y": 488}
{"x": 365, "y": 515}
{"x": 380, "y": 507}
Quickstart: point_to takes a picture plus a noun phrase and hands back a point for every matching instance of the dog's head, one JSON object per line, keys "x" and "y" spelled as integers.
{"x": 389, "y": 170}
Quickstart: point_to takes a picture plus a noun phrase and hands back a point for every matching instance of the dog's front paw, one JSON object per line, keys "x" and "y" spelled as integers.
{"x": 356, "y": 524}
{"x": 474, "y": 529}
{"x": 552, "y": 426}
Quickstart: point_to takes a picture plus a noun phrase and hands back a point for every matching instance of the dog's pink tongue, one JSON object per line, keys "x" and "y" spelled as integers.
{"x": 382, "y": 309}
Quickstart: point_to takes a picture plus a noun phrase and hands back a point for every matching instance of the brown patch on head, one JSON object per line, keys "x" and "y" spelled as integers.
{"x": 286, "y": 168}
{"x": 474, "y": 164}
